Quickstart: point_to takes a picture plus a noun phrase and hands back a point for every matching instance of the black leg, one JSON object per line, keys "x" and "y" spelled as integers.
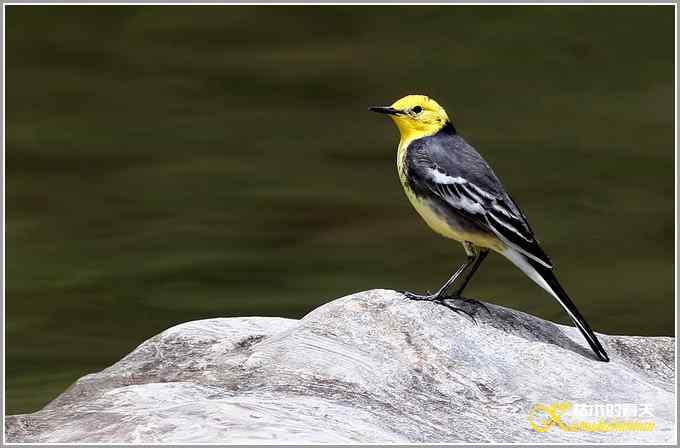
{"x": 442, "y": 290}
{"x": 468, "y": 275}
{"x": 458, "y": 294}
{"x": 475, "y": 258}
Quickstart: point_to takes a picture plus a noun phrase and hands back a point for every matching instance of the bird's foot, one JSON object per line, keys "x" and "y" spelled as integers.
{"x": 472, "y": 302}
{"x": 426, "y": 297}
{"x": 441, "y": 299}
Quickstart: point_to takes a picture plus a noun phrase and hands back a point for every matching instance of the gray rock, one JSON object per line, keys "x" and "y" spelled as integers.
{"x": 370, "y": 367}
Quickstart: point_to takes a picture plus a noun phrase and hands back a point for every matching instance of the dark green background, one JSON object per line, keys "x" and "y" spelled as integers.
{"x": 166, "y": 164}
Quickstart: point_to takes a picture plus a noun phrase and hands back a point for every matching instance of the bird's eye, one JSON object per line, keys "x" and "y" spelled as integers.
{"x": 417, "y": 110}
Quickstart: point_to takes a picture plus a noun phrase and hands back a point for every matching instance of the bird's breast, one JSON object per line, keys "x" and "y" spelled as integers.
{"x": 434, "y": 219}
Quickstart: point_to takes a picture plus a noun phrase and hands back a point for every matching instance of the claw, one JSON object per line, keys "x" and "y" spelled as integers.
{"x": 471, "y": 301}
{"x": 441, "y": 300}
{"x": 427, "y": 297}
{"x": 476, "y": 302}
{"x": 456, "y": 310}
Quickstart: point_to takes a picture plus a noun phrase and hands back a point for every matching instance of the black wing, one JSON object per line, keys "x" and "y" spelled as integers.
{"x": 451, "y": 169}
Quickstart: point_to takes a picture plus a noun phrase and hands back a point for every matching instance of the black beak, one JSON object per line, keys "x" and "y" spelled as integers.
{"x": 385, "y": 110}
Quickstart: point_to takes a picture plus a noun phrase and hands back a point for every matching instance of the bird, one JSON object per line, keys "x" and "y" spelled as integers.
{"x": 459, "y": 196}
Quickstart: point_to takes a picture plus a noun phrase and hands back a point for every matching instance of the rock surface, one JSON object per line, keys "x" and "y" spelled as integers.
{"x": 370, "y": 367}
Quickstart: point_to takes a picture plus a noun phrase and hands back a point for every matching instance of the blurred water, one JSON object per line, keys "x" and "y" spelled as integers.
{"x": 166, "y": 164}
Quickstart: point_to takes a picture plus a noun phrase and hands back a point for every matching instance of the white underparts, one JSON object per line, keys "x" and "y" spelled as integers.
{"x": 518, "y": 259}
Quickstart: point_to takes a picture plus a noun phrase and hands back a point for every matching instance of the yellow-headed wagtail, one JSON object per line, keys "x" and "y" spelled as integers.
{"x": 460, "y": 197}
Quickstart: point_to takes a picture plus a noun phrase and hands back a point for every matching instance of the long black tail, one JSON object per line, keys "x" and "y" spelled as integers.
{"x": 547, "y": 275}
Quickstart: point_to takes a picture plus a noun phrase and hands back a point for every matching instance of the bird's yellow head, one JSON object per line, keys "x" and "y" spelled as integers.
{"x": 416, "y": 116}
